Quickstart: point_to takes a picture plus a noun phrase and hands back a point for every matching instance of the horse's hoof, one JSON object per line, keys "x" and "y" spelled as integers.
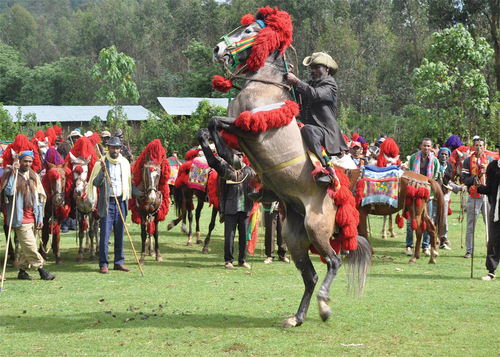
{"x": 59, "y": 262}
{"x": 199, "y": 242}
{"x": 393, "y": 235}
{"x": 142, "y": 261}
{"x": 79, "y": 259}
{"x": 159, "y": 258}
{"x": 170, "y": 225}
{"x": 324, "y": 310}
{"x": 291, "y": 322}
{"x": 205, "y": 250}
{"x": 189, "y": 243}
{"x": 198, "y": 238}
{"x": 384, "y": 236}
{"x": 412, "y": 261}
{"x": 432, "y": 261}
{"x": 15, "y": 265}
{"x": 93, "y": 258}
{"x": 435, "y": 252}
{"x": 184, "y": 229}
{"x": 152, "y": 254}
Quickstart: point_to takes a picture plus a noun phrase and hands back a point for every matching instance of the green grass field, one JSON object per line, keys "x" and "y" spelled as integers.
{"x": 189, "y": 305}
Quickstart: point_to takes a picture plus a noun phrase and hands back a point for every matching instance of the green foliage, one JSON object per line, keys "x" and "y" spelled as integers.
{"x": 449, "y": 85}
{"x": 96, "y": 124}
{"x": 27, "y": 123}
{"x": 180, "y": 135}
{"x": 8, "y": 129}
{"x": 12, "y": 74}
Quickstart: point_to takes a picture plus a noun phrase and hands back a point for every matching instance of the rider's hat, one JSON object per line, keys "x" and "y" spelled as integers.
{"x": 114, "y": 141}
{"x": 324, "y": 59}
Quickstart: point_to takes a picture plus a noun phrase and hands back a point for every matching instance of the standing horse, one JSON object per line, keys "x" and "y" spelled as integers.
{"x": 272, "y": 142}
{"x": 86, "y": 207}
{"x": 56, "y": 208}
{"x": 151, "y": 172}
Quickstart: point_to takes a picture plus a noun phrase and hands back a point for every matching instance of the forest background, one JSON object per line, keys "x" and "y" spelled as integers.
{"x": 408, "y": 68}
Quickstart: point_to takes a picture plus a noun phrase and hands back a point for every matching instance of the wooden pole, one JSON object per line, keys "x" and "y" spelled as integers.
{"x": 10, "y": 230}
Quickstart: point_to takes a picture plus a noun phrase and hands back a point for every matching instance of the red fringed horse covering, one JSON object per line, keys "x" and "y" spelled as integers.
{"x": 84, "y": 148}
{"x": 390, "y": 149}
{"x": 183, "y": 176}
{"x": 157, "y": 154}
{"x": 21, "y": 143}
{"x": 51, "y": 135}
{"x": 212, "y": 189}
{"x": 191, "y": 154}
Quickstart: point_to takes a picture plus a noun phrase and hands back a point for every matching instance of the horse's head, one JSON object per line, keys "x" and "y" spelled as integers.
{"x": 233, "y": 49}
{"x": 57, "y": 178}
{"x": 43, "y": 147}
{"x": 151, "y": 173}
{"x": 457, "y": 159}
{"x": 80, "y": 167}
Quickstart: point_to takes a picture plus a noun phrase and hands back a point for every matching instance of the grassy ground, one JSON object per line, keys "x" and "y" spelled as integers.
{"x": 190, "y": 305}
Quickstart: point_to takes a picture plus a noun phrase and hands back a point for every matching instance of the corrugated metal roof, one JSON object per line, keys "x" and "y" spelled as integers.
{"x": 77, "y": 113}
{"x": 186, "y": 106}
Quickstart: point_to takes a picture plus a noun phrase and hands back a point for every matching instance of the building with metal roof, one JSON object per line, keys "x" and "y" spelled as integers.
{"x": 77, "y": 115}
{"x": 187, "y": 106}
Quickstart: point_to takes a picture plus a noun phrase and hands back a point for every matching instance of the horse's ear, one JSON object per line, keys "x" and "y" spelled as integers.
{"x": 15, "y": 156}
{"x": 66, "y": 163}
{"x": 74, "y": 160}
{"x": 88, "y": 159}
{"x": 49, "y": 166}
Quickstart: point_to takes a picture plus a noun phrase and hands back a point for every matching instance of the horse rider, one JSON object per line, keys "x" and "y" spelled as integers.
{"x": 28, "y": 212}
{"x": 126, "y": 152}
{"x": 74, "y": 136}
{"x": 115, "y": 191}
{"x": 319, "y": 108}
{"x": 356, "y": 152}
{"x": 103, "y": 147}
{"x": 474, "y": 168}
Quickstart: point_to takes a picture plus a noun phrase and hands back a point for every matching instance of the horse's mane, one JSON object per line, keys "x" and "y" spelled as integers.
{"x": 276, "y": 36}
{"x": 39, "y": 136}
{"x": 21, "y": 143}
{"x": 51, "y": 135}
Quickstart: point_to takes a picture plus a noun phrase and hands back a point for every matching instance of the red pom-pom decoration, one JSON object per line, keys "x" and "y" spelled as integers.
{"x": 151, "y": 227}
{"x": 247, "y": 19}
{"x": 449, "y": 211}
{"x": 78, "y": 169}
{"x": 424, "y": 226}
{"x": 54, "y": 174}
{"x": 221, "y": 84}
{"x": 414, "y": 224}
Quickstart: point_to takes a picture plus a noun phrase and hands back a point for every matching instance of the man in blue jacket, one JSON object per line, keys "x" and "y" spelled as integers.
{"x": 28, "y": 212}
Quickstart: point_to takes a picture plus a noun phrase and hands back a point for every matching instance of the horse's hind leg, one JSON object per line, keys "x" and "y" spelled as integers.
{"x": 211, "y": 227}
{"x": 384, "y": 230}
{"x": 391, "y": 227}
{"x": 418, "y": 244}
{"x": 296, "y": 240}
{"x": 199, "y": 207}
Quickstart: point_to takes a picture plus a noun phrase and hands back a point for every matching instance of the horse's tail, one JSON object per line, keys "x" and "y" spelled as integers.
{"x": 358, "y": 262}
{"x": 178, "y": 198}
{"x": 440, "y": 212}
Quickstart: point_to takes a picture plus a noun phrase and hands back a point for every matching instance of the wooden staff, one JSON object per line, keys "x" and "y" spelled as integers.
{"x": 123, "y": 219}
{"x": 10, "y": 230}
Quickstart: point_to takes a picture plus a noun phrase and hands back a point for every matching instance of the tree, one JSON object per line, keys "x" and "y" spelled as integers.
{"x": 449, "y": 85}
{"x": 8, "y": 129}
{"x": 114, "y": 70}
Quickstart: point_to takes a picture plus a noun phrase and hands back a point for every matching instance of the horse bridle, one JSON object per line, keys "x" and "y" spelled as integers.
{"x": 149, "y": 185}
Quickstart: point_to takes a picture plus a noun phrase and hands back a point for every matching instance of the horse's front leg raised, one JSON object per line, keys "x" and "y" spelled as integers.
{"x": 215, "y": 125}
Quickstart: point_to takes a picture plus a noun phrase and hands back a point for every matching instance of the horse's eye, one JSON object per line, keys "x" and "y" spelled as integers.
{"x": 248, "y": 30}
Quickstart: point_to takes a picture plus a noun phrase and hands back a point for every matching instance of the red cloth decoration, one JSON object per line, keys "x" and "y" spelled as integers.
{"x": 247, "y": 19}
{"x": 252, "y": 243}
{"x": 418, "y": 202}
{"x": 183, "y": 175}
{"x": 263, "y": 120}
{"x": 78, "y": 169}
{"x": 191, "y": 154}
{"x": 277, "y": 35}
{"x": 39, "y": 136}
{"x": 212, "y": 189}
{"x": 54, "y": 174}
{"x": 400, "y": 221}
{"x": 95, "y": 139}
{"x": 454, "y": 155}
{"x": 354, "y": 137}
{"x": 62, "y": 212}
{"x": 54, "y": 228}
{"x": 136, "y": 215}
{"x": 221, "y": 84}
{"x": 57, "y": 130}
{"x": 409, "y": 200}
{"x": 151, "y": 227}
{"x": 84, "y": 148}
{"x": 406, "y": 214}
{"x": 424, "y": 226}
{"x": 21, "y": 143}
{"x": 390, "y": 149}
{"x": 449, "y": 211}
{"x": 231, "y": 140}
{"x": 51, "y": 136}
{"x": 84, "y": 226}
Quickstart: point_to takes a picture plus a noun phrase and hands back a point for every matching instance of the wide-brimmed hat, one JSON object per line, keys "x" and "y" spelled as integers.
{"x": 88, "y": 134}
{"x": 355, "y": 143}
{"x": 75, "y": 133}
{"x": 114, "y": 141}
{"x": 322, "y": 58}
{"x": 105, "y": 134}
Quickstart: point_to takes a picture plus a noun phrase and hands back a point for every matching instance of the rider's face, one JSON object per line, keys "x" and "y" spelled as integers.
{"x": 426, "y": 147}
{"x": 318, "y": 72}
{"x": 443, "y": 156}
{"x": 25, "y": 163}
{"x": 479, "y": 147}
{"x": 355, "y": 151}
{"x": 114, "y": 151}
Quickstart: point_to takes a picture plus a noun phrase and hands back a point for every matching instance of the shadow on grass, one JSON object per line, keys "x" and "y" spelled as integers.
{"x": 136, "y": 320}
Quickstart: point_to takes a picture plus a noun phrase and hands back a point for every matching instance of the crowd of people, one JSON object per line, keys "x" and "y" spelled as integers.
{"x": 322, "y": 136}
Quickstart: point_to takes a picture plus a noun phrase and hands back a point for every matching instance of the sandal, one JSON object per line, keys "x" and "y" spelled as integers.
{"x": 490, "y": 276}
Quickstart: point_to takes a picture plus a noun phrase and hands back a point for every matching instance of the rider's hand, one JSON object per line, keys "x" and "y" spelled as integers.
{"x": 103, "y": 165}
{"x": 15, "y": 166}
{"x": 291, "y": 79}
{"x": 221, "y": 217}
{"x": 39, "y": 225}
{"x": 291, "y": 68}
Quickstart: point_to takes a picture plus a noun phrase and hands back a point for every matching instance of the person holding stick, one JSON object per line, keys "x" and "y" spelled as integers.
{"x": 492, "y": 190}
{"x": 25, "y": 212}
{"x": 113, "y": 198}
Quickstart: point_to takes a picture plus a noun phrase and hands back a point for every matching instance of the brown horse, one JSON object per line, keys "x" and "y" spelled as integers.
{"x": 56, "y": 208}
{"x": 85, "y": 207}
{"x": 278, "y": 155}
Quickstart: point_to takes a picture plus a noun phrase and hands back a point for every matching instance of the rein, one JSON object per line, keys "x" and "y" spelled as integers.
{"x": 236, "y": 75}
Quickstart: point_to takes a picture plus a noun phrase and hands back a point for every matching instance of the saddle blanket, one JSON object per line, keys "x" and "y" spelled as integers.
{"x": 198, "y": 175}
{"x": 174, "y": 171}
{"x": 381, "y": 186}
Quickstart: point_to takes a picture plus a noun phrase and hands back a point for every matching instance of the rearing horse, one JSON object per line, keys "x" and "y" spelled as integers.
{"x": 271, "y": 139}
